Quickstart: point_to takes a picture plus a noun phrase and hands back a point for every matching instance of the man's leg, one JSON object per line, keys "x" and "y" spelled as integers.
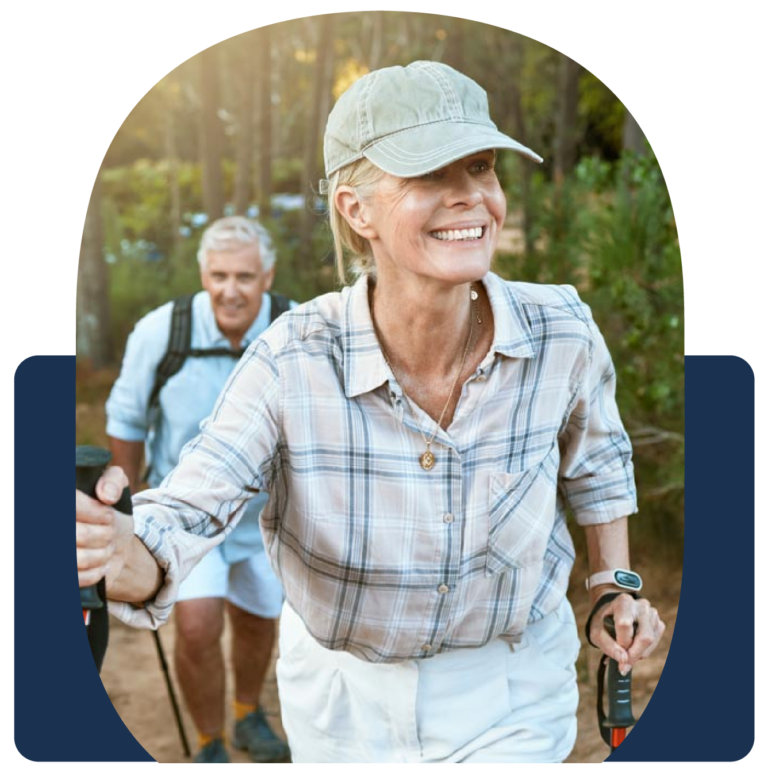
{"x": 199, "y": 659}
{"x": 200, "y": 662}
{"x": 254, "y": 602}
{"x": 252, "y": 641}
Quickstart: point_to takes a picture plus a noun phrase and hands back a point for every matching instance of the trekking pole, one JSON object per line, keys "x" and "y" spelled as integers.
{"x": 614, "y": 724}
{"x": 172, "y": 695}
{"x": 90, "y": 463}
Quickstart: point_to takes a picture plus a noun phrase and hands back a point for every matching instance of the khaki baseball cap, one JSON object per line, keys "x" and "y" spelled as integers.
{"x": 412, "y": 120}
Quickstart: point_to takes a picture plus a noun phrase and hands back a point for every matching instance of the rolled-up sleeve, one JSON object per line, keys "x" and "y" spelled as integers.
{"x": 596, "y": 471}
{"x": 201, "y": 501}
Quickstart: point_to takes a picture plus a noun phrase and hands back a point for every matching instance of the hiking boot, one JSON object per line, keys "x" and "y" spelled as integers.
{"x": 253, "y": 734}
{"x": 213, "y": 753}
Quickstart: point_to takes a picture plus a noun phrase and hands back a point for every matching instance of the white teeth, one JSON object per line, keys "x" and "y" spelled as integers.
{"x": 459, "y": 234}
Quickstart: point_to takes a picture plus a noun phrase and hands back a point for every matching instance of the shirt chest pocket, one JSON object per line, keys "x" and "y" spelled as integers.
{"x": 521, "y": 515}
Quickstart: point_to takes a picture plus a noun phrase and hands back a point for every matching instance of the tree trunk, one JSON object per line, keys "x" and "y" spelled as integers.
{"x": 633, "y": 138}
{"x": 211, "y": 137}
{"x": 567, "y": 105}
{"x": 94, "y": 340}
{"x": 454, "y": 56}
{"x": 516, "y": 119}
{"x": 249, "y": 44}
{"x": 173, "y": 174}
{"x": 323, "y": 77}
{"x": 377, "y": 40}
{"x": 264, "y": 39}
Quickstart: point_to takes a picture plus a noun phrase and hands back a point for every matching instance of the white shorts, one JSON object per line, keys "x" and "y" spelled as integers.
{"x": 250, "y": 585}
{"x": 493, "y": 704}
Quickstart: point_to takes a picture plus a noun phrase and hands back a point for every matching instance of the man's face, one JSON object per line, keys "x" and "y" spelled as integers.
{"x": 236, "y": 282}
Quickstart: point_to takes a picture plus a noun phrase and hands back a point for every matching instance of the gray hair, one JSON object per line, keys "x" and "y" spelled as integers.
{"x": 233, "y": 232}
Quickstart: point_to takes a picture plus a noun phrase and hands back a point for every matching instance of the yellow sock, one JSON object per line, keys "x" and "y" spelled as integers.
{"x": 241, "y": 710}
{"x": 205, "y": 739}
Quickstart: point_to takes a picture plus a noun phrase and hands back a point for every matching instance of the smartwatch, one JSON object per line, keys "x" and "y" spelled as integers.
{"x": 623, "y": 578}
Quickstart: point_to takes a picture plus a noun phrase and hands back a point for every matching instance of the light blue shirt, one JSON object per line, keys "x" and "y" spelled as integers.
{"x": 184, "y": 402}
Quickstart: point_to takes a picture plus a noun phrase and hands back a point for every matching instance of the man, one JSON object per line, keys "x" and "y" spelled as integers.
{"x": 236, "y": 270}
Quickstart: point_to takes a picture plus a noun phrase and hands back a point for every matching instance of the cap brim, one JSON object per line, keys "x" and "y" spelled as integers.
{"x": 429, "y": 147}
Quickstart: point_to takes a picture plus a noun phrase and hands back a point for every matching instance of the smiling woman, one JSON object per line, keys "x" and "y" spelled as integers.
{"x": 420, "y": 435}
{"x": 420, "y": 227}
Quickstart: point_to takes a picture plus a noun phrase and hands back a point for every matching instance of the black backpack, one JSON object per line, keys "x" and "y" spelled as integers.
{"x": 180, "y": 342}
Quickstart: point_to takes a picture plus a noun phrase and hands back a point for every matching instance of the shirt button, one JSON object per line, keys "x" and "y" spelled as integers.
{"x": 448, "y": 518}
{"x": 426, "y": 648}
{"x": 443, "y": 589}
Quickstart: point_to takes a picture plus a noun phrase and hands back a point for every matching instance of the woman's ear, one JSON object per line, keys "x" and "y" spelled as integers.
{"x": 354, "y": 211}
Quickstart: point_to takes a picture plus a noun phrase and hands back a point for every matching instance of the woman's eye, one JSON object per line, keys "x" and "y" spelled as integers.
{"x": 435, "y": 175}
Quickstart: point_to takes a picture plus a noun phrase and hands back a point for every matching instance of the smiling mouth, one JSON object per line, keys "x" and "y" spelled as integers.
{"x": 474, "y": 233}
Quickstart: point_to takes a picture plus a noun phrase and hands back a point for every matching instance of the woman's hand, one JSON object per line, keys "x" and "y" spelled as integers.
{"x": 630, "y": 646}
{"x": 102, "y": 533}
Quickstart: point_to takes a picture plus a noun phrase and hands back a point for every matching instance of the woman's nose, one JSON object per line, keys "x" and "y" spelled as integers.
{"x": 464, "y": 190}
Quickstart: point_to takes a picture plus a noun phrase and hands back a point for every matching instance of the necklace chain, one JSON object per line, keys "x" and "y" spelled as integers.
{"x": 427, "y": 459}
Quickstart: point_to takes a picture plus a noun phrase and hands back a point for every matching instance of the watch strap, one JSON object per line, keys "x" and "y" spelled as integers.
{"x": 623, "y": 578}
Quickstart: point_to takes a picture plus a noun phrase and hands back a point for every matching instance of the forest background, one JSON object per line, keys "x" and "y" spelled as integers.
{"x": 238, "y": 129}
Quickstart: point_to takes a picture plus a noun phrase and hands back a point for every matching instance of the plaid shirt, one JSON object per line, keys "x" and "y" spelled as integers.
{"x": 378, "y": 556}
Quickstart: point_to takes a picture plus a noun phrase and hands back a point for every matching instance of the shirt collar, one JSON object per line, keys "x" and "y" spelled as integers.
{"x": 364, "y": 365}
{"x": 512, "y": 330}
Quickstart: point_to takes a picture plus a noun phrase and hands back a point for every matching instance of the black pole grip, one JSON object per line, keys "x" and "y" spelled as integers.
{"x": 618, "y": 689}
{"x": 90, "y": 463}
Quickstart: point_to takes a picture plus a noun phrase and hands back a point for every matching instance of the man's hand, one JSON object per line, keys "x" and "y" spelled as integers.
{"x": 629, "y": 647}
{"x": 102, "y": 533}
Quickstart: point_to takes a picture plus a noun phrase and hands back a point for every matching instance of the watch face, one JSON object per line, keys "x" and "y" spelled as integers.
{"x": 628, "y": 579}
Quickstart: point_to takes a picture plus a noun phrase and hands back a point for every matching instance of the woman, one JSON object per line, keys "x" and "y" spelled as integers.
{"x": 419, "y": 434}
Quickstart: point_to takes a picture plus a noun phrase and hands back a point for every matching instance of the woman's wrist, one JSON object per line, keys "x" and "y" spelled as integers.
{"x": 598, "y": 591}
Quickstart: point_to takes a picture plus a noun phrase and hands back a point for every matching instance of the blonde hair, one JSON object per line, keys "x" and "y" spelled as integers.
{"x": 363, "y": 177}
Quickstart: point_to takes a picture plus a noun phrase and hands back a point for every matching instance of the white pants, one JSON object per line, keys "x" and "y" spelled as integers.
{"x": 493, "y": 704}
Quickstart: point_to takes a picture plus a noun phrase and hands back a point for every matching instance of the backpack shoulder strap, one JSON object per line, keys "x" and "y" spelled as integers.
{"x": 280, "y": 305}
{"x": 179, "y": 345}
{"x": 180, "y": 341}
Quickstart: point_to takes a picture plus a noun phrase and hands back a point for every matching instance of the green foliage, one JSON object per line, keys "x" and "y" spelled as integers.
{"x": 138, "y": 201}
{"x": 288, "y": 174}
{"x": 601, "y": 118}
{"x": 299, "y": 276}
{"x": 637, "y": 290}
{"x": 609, "y": 230}
{"x": 138, "y": 286}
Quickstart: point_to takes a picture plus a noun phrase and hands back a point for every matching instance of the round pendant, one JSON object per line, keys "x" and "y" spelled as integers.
{"x": 427, "y": 460}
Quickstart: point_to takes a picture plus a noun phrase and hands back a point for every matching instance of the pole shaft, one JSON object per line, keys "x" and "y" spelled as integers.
{"x": 172, "y": 695}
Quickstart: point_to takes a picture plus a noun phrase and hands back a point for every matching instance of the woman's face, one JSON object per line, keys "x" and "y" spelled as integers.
{"x": 442, "y": 226}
